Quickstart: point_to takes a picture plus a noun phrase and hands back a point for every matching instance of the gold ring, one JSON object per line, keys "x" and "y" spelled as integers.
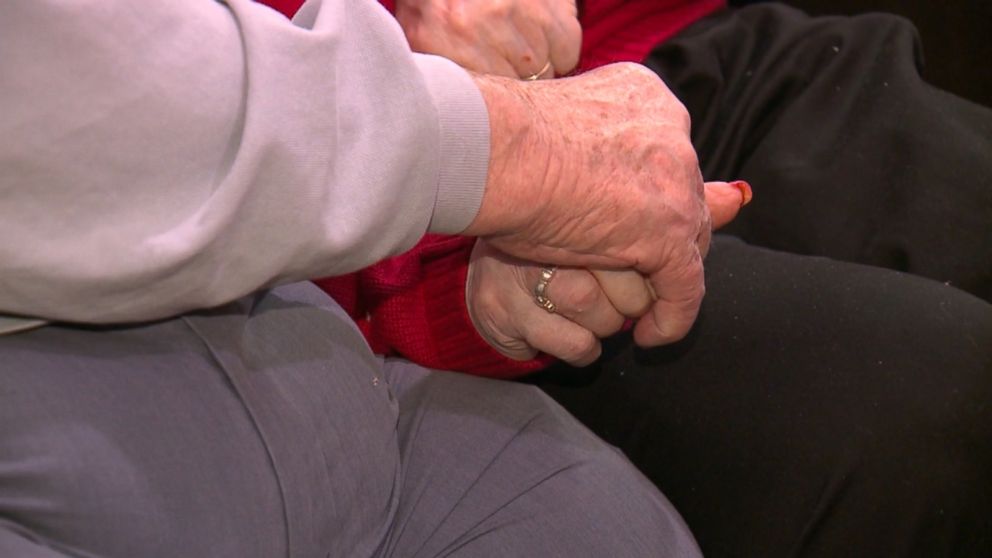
{"x": 541, "y": 289}
{"x": 537, "y": 76}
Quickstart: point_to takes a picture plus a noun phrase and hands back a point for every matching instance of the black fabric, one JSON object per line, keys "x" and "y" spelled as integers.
{"x": 820, "y": 407}
{"x": 817, "y": 408}
{"x": 955, "y": 32}
{"x": 850, "y": 154}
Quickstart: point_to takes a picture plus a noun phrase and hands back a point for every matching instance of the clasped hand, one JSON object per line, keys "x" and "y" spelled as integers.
{"x": 592, "y": 172}
{"x": 590, "y": 304}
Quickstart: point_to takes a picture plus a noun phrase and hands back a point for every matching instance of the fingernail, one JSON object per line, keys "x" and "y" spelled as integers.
{"x": 745, "y": 189}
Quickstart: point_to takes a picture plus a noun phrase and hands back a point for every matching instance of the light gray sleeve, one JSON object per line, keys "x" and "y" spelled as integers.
{"x": 161, "y": 156}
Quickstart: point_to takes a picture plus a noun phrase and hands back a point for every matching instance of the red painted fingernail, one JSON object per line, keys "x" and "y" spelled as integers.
{"x": 745, "y": 189}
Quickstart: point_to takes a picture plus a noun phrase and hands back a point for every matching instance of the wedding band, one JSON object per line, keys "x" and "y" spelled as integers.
{"x": 541, "y": 289}
{"x": 535, "y": 77}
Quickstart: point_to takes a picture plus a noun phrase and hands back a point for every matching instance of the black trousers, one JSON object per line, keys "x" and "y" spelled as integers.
{"x": 821, "y": 407}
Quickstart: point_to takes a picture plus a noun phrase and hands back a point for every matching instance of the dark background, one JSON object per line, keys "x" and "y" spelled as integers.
{"x": 957, "y": 37}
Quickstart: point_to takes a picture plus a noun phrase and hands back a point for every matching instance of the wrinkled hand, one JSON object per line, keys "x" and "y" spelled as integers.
{"x": 598, "y": 171}
{"x": 511, "y": 38}
{"x": 628, "y": 290}
{"x": 590, "y": 305}
{"x": 501, "y": 304}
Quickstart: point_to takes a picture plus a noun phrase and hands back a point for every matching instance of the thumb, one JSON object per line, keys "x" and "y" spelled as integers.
{"x": 632, "y": 294}
{"x": 725, "y": 199}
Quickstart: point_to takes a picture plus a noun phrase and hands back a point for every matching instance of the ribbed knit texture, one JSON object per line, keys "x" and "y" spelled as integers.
{"x": 413, "y": 305}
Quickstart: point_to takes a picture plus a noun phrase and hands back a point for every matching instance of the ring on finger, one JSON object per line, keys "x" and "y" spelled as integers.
{"x": 537, "y": 76}
{"x": 541, "y": 289}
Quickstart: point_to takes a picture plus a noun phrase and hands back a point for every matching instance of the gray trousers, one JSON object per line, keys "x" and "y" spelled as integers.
{"x": 267, "y": 428}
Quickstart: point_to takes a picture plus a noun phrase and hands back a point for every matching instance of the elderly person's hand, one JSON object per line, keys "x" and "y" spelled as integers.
{"x": 511, "y": 38}
{"x": 598, "y": 171}
{"x": 587, "y": 305}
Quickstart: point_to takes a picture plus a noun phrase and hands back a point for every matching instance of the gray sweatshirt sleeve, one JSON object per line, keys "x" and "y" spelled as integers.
{"x": 157, "y": 157}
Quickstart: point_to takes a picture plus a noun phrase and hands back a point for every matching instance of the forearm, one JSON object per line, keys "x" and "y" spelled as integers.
{"x": 182, "y": 154}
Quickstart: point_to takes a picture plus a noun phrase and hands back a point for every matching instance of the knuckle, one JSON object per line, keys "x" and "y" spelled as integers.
{"x": 460, "y": 21}
{"x": 568, "y": 7}
{"x": 685, "y": 154}
{"x": 633, "y": 76}
{"x": 579, "y": 347}
{"x": 641, "y": 72}
{"x": 543, "y": 18}
{"x": 482, "y": 299}
{"x": 499, "y": 8}
{"x": 681, "y": 115}
{"x": 584, "y": 295}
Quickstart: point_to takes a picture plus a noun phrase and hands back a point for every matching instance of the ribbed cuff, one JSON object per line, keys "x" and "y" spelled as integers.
{"x": 464, "y": 143}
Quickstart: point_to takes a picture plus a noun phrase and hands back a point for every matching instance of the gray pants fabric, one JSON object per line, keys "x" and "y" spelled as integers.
{"x": 267, "y": 428}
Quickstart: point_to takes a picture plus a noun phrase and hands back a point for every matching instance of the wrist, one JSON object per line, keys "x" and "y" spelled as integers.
{"x": 519, "y": 173}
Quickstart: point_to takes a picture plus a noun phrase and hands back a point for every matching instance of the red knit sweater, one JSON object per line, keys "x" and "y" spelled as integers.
{"x": 413, "y": 305}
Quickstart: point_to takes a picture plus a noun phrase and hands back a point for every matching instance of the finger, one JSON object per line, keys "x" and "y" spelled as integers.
{"x": 725, "y": 200}
{"x": 565, "y": 41}
{"x": 561, "y": 338}
{"x": 527, "y": 50}
{"x": 485, "y": 61}
{"x": 627, "y": 291}
{"x": 680, "y": 290}
{"x": 577, "y": 295}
